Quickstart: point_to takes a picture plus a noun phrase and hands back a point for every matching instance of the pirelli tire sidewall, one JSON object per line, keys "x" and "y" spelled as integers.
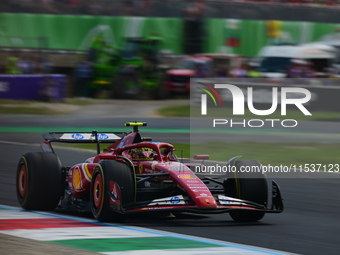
{"x": 251, "y": 186}
{"x": 106, "y": 171}
{"x": 39, "y": 181}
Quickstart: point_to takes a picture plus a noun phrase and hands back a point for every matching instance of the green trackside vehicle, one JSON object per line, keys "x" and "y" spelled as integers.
{"x": 131, "y": 72}
{"x": 105, "y": 59}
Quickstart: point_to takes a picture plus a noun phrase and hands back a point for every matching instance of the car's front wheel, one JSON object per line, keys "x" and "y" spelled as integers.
{"x": 251, "y": 186}
{"x": 108, "y": 174}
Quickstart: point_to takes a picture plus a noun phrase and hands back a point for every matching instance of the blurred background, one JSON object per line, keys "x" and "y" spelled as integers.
{"x": 148, "y": 49}
{"x": 78, "y": 57}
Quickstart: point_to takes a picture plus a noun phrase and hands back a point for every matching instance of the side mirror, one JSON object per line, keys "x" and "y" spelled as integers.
{"x": 201, "y": 157}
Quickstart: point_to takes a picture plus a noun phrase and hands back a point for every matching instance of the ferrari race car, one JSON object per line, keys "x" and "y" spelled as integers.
{"x": 134, "y": 175}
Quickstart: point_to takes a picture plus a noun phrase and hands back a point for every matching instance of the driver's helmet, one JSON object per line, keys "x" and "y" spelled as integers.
{"x": 142, "y": 153}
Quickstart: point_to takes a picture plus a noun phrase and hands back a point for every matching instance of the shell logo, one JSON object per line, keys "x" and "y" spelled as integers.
{"x": 77, "y": 179}
{"x": 187, "y": 176}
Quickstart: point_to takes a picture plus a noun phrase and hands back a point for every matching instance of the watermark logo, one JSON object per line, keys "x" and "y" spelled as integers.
{"x": 204, "y": 98}
{"x": 239, "y": 99}
{"x": 284, "y": 94}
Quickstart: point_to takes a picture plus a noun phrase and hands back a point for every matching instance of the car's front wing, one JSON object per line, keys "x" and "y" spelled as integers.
{"x": 224, "y": 204}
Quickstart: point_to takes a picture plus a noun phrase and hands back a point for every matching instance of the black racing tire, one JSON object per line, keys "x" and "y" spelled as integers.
{"x": 39, "y": 181}
{"x": 105, "y": 171}
{"x": 248, "y": 186}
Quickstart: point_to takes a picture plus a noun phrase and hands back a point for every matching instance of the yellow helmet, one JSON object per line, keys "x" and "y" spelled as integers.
{"x": 142, "y": 153}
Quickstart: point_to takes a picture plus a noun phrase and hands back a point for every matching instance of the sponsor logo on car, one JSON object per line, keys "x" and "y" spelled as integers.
{"x": 175, "y": 200}
{"x": 149, "y": 171}
{"x": 147, "y": 184}
{"x": 121, "y": 144}
{"x": 176, "y": 168}
{"x": 194, "y": 181}
{"x": 199, "y": 189}
{"x": 187, "y": 176}
{"x": 103, "y": 136}
{"x": 227, "y": 200}
{"x": 77, "y": 136}
{"x": 153, "y": 166}
{"x": 202, "y": 195}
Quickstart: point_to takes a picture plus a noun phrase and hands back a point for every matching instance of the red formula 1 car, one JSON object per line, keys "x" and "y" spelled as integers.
{"x": 135, "y": 175}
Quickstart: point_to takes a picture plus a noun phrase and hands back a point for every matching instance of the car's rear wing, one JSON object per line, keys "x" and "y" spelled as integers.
{"x": 80, "y": 137}
{"x": 83, "y": 137}
{"x": 89, "y": 137}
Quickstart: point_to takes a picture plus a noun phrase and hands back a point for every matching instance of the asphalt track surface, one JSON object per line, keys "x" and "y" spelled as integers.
{"x": 309, "y": 224}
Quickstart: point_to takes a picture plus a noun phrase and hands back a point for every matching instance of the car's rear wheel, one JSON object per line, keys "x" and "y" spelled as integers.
{"x": 104, "y": 173}
{"x": 251, "y": 186}
{"x": 39, "y": 182}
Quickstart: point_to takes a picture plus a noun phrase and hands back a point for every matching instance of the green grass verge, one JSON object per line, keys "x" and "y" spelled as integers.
{"x": 273, "y": 153}
{"x": 10, "y": 106}
{"x": 184, "y": 111}
{"x": 12, "y": 101}
{"x": 266, "y": 153}
{"x": 175, "y": 111}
